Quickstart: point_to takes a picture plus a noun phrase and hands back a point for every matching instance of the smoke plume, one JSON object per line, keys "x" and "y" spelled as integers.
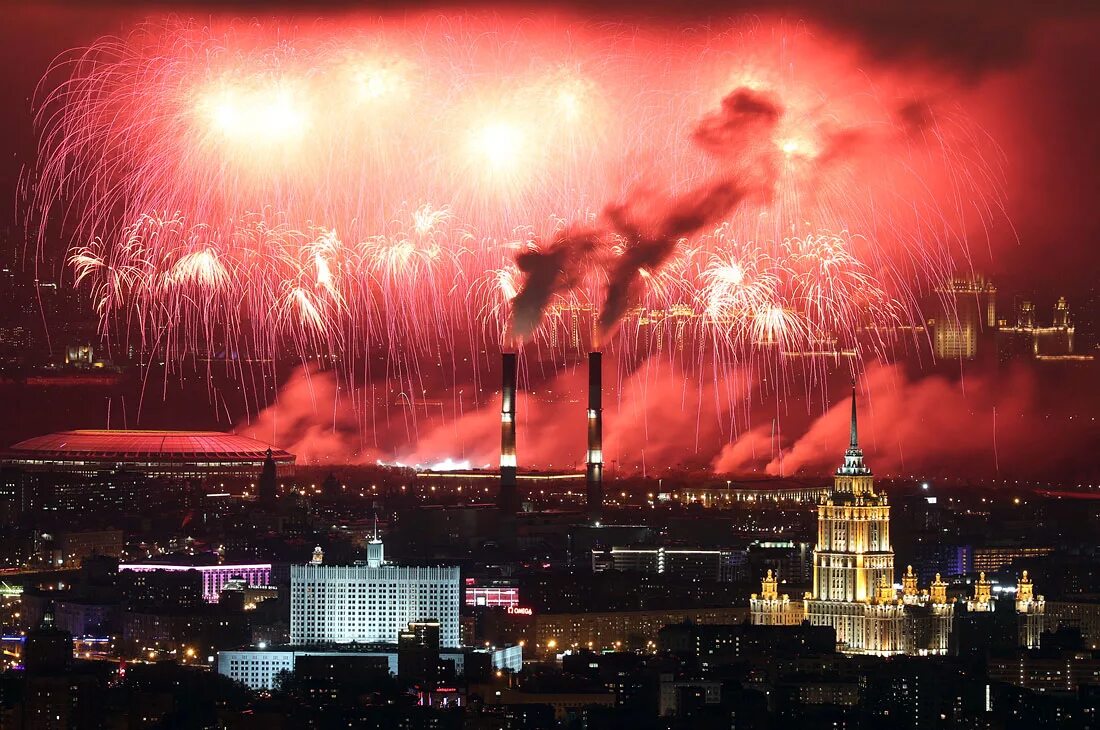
{"x": 310, "y": 420}
{"x": 649, "y": 224}
{"x": 985, "y": 424}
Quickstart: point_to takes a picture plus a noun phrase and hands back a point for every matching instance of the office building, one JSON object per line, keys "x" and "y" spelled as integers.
{"x": 711, "y": 565}
{"x": 214, "y": 577}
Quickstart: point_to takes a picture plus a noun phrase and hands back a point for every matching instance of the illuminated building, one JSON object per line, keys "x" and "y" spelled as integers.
{"x": 497, "y": 595}
{"x": 1032, "y": 611}
{"x": 1030, "y": 608}
{"x": 214, "y": 577}
{"x": 372, "y": 602}
{"x": 1062, "y": 671}
{"x": 735, "y": 495}
{"x": 768, "y": 608}
{"x": 992, "y": 558}
{"x": 853, "y": 575}
{"x": 258, "y": 668}
{"x": 625, "y": 630}
{"x": 82, "y": 354}
{"x": 173, "y": 454}
{"x": 967, "y": 307}
{"x": 710, "y": 565}
{"x": 1027, "y": 337}
{"x": 982, "y": 600}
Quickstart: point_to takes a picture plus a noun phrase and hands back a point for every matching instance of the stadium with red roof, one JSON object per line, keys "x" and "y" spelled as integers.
{"x": 179, "y": 454}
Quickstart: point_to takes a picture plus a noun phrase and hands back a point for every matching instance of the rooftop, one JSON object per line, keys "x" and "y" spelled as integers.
{"x": 125, "y": 445}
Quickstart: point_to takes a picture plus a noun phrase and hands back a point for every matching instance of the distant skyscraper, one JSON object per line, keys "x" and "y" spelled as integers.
{"x": 967, "y": 308}
{"x": 1030, "y": 338}
{"x": 1032, "y": 611}
{"x": 853, "y": 574}
{"x": 768, "y": 608}
{"x": 1025, "y": 315}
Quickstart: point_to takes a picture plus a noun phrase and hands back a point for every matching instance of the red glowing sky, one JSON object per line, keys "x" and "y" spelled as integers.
{"x": 1021, "y": 73}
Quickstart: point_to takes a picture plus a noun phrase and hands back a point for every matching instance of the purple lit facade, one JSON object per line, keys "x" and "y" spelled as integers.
{"x": 214, "y": 577}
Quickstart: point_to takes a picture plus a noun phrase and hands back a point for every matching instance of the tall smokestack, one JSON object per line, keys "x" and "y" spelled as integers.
{"x": 594, "y": 471}
{"x": 508, "y": 499}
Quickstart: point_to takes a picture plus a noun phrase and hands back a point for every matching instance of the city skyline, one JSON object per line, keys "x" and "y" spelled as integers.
{"x": 512, "y": 366}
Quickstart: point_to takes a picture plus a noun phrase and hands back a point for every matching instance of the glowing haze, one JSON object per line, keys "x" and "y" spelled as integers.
{"x": 734, "y": 200}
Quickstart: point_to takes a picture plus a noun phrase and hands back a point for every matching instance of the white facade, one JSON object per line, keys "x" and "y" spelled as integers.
{"x": 340, "y": 604}
{"x": 255, "y": 669}
{"x": 258, "y": 668}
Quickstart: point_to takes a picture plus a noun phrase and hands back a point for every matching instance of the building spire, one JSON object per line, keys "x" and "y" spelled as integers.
{"x": 853, "y": 457}
{"x": 854, "y": 442}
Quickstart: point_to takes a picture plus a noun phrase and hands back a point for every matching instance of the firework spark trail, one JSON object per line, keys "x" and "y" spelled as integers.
{"x": 414, "y": 189}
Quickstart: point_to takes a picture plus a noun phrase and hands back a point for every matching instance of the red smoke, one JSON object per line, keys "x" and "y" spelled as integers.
{"x": 985, "y": 424}
{"x": 656, "y": 419}
{"x": 311, "y": 421}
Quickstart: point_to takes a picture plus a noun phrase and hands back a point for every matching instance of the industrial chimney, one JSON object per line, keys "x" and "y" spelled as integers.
{"x": 508, "y": 499}
{"x": 594, "y": 472}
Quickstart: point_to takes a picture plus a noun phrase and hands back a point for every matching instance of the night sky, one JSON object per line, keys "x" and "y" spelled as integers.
{"x": 1020, "y": 71}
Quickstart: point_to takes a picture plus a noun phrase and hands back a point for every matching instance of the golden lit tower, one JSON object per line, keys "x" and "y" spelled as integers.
{"x": 1032, "y": 612}
{"x": 853, "y": 531}
{"x": 853, "y": 560}
{"x": 937, "y": 592}
{"x": 909, "y": 589}
{"x": 853, "y": 581}
{"x": 770, "y": 609}
{"x": 983, "y": 595}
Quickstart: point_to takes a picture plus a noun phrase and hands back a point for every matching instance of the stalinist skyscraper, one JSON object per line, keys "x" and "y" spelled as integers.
{"x": 853, "y": 581}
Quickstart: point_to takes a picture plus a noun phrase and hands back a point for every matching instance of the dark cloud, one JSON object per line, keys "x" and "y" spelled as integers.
{"x": 648, "y": 224}
{"x": 744, "y": 115}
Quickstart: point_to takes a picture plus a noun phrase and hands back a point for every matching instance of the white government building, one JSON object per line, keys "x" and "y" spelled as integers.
{"x": 372, "y": 602}
{"x": 358, "y": 611}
